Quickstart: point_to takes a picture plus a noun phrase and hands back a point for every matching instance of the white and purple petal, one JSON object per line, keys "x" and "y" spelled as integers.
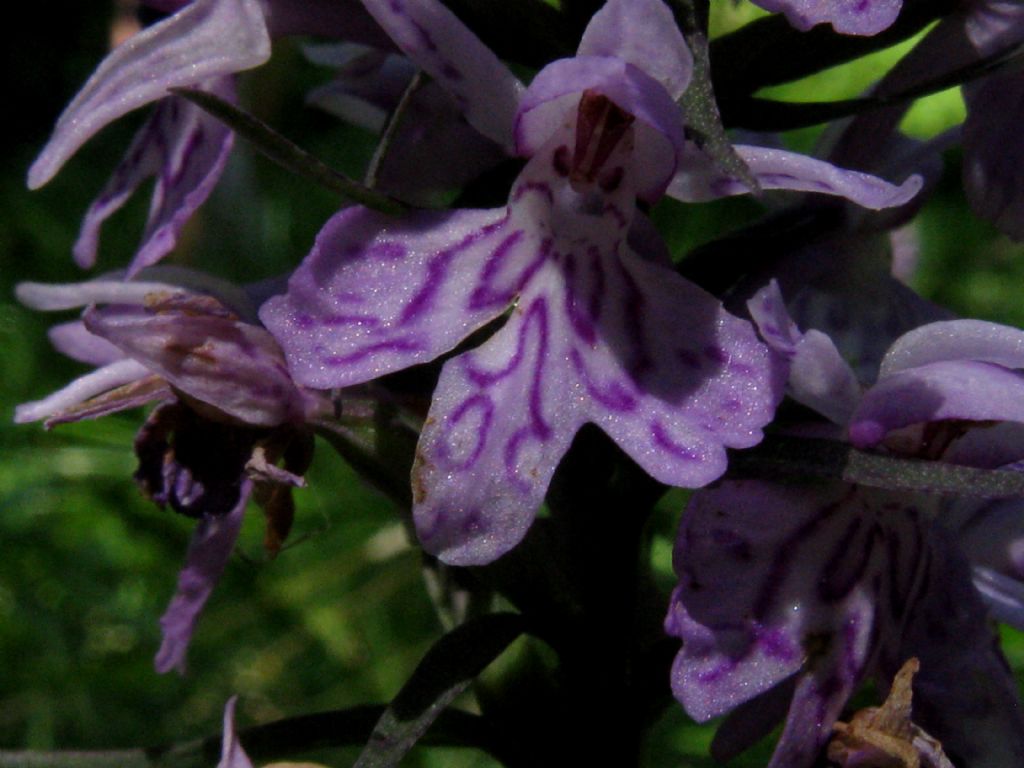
{"x": 204, "y": 40}
{"x": 185, "y": 149}
{"x": 208, "y": 553}
{"x": 231, "y": 753}
{"x": 499, "y": 423}
{"x": 208, "y": 355}
{"x": 379, "y": 294}
{"x": 434, "y": 38}
{"x": 56, "y": 408}
{"x": 777, "y": 581}
{"x": 643, "y": 33}
{"x": 956, "y": 340}
{"x": 963, "y": 390}
{"x": 699, "y": 179}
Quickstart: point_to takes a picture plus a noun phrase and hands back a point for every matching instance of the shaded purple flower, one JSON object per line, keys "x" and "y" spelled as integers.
{"x": 850, "y": 17}
{"x": 229, "y": 413}
{"x": 202, "y": 45}
{"x": 593, "y": 304}
{"x": 791, "y": 595}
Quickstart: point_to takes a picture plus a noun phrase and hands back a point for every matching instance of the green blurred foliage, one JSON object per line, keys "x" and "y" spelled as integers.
{"x": 340, "y": 617}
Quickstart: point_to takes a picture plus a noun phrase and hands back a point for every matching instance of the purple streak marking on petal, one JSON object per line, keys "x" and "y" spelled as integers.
{"x": 662, "y": 439}
{"x": 437, "y": 271}
{"x": 614, "y": 396}
{"x": 395, "y": 345}
{"x": 477, "y": 403}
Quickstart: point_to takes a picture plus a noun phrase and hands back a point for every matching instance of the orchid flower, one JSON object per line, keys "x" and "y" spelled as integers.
{"x": 592, "y": 333}
{"x": 228, "y": 412}
{"x": 791, "y": 595}
{"x": 202, "y": 45}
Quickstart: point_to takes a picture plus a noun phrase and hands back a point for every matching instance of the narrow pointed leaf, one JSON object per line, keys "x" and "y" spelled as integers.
{"x": 285, "y": 153}
{"x": 445, "y": 672}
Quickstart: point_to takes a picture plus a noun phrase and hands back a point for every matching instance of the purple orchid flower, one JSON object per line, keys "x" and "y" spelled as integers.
{"x": 592, "y": 301}
{"x": 850, "y": 17}
{"x": 228, "y": 412}
{"x": 791, "y": 595}
{"x": 202, "y": 45}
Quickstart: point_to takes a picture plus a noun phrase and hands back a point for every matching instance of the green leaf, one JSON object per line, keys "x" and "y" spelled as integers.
{"x": 770, "y": 115}
{"x": 445, "y": 672}
{"x": 769, "y": 51}
{"x": 797, "y": 459}
{"x": 287, "y": 154}
{"x": 703, "y": 122}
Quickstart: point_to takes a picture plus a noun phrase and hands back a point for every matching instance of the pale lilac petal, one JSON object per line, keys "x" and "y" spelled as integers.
{"x": 818, "y": 376}
{"x": 378, "y": 294}
{"x": 1003, "y": 596}
{"x": 849, "y": 17}
{"x": 673, "y": 401}
{"x": 768, "y": 311}
{"x": 645, "y": 34}
{"x": 72, "y": 340}
{"x": 51, "y": 297}
{"x": 83, "y": 388}
{"x": 185, "y": 149}
{"x": 962, "y": 390}
{"x": 953, "y": 340}
{"x": 440, "y": 44}
{"x": 993, "y": 165}
{"x": 205, "y": 39}
{"x": 820, "y": 379}
{"x": 501, "y": 418}
{"x": 231, "y": 753}
{"x": 699, "y": 179}
{"x": 214, "y": 358}
{"x": 554, "y": 94}
{"x": 208, "y": 553}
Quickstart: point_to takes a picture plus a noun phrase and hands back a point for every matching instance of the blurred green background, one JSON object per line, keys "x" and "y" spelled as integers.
{"x": 340, "y": 617}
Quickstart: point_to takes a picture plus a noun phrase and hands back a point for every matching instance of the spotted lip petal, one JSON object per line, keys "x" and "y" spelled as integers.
{"x": 378, "y": 294}
{"x": 784, "y": 580}
{"x": 440, "y": 44}
{"x": 205, "y": 39}
{"x": 216, "y": 359}
{"x": 699, "y": 179}
{"x": 590, "y": 340}
{"x": 185, "y": 149}
{"x": 849, "y": 17}
{"x": 643, "y": 33}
